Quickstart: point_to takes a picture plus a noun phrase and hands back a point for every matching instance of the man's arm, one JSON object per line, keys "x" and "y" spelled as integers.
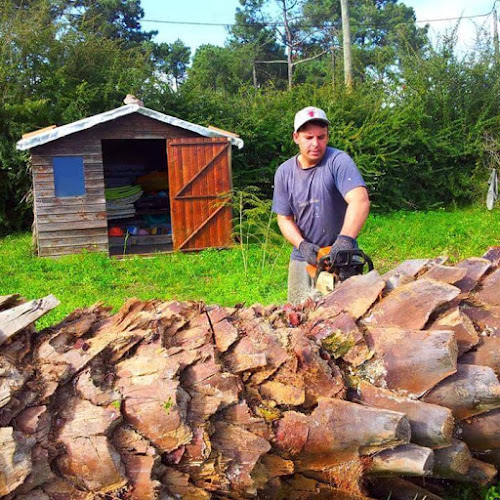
{"x": 290, "y": 230}
{"x": 358, "y": 207}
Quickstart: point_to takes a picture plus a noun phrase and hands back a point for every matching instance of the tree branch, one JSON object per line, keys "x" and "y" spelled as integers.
{"x": 310, "y": 58}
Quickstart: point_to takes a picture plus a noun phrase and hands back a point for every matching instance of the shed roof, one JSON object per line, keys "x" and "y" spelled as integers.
{"x": 50, "y": 135}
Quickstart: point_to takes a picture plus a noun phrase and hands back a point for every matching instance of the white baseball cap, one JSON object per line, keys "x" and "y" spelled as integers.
{"x": 307, "y": 114}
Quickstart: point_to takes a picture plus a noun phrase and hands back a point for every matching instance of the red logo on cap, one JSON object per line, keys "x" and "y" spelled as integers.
{"x": 311, "y": 113}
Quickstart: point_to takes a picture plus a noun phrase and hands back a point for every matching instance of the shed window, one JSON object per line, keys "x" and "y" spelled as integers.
{"x": 69, "y": 179}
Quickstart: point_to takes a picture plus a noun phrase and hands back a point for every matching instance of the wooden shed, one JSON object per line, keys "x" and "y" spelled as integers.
{"x": 130, "y": 180}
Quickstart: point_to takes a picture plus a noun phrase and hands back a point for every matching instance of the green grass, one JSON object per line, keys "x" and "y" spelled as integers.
{"x": 218, "y": 276}
{"x": 214, "y": 276}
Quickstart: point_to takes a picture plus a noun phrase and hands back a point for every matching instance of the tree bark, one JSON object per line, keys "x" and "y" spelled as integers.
{"x": 486, "y": 353}
{"x": 16, "y": 319}
{"x": 471, "y": 391}
{"x": 414, "y": 360}
{"x": 481, "y": 432}
{"x": 396, "y": 488}
{"x": 431, "y": 425}
{"x": 452, "y": 461}
{"x": 404, "y": 460}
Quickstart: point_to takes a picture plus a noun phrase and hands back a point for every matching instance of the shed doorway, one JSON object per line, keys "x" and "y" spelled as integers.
{"x": 137, "y": 196}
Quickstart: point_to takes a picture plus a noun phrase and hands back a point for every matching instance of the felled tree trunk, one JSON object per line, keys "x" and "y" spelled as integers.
{"x": 452, "y": 461}
{"x": 431, "y": 425}
{"x": 321, "y": 400}
{"x": 404, "y": 460}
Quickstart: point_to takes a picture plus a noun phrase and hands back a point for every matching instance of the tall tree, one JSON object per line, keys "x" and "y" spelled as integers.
{"x": 52, "y": 75}
{"x": 114, "y": 19}
{"x": 382, "y": 31}
{"x": 221, "y": 69}
{"x": 172, "y": 59}
{"x": 254, "y": 30}
{"x": 294, "y": 37}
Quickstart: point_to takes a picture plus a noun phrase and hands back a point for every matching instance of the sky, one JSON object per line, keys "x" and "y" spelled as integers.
{"x": 222, "y": 12}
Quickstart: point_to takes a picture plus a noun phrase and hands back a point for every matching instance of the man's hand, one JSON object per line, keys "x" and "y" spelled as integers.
{"x": 342, "y": 243}
{"x": 309, "y": 251}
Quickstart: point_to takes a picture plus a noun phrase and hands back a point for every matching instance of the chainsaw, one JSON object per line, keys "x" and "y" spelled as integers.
{"x": 326, "y": 275}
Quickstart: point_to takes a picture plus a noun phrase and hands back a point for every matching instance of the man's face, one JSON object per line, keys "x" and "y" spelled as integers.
{"x": 312, "y": 140}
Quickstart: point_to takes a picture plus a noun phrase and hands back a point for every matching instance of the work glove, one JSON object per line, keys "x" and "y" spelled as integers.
{"x": 342, "y": 243}
{"x": 309, "y": 251}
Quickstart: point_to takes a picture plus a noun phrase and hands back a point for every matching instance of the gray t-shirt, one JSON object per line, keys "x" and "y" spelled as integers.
{"x": 315, "y": 196}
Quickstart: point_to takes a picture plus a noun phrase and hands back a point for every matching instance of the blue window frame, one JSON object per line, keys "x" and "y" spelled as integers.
{"x": 69, "y": 178}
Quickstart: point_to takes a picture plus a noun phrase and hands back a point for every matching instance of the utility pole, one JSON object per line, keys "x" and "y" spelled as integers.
{"x": 289, "y": 44}
{"x": 495, "y": 33}
{"x": 346, "y": 36}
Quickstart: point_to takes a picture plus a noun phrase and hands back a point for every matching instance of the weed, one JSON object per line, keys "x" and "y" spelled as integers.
{"x": 167, "y": 405}
{"x": 255, "y": 224}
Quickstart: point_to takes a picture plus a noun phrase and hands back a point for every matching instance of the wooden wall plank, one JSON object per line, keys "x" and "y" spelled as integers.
{"x": 41, "y": 161}
{"x": 49, "y": 171}
{"x": 215, "y": 229}
{"x": 90, "y": 191}
{"x": 79, "y": 217}
{"x": 63, "y": 226}
{"x": 92, "y": 175}
{"x": 82, "y": 241}
{"x": 173, "y": 181}
{"x": 186, "y": 166}
{"x": 196, "y": 142}
{"x": 197, "y": 215}
{"x": 56, "y": 252}
{"x": 46, "y": 186}
{"x": 71, "y": 209}
{"x": 205, "y": 187}
{"x": 80, "y": 201}
{"x": 74, "y": 233}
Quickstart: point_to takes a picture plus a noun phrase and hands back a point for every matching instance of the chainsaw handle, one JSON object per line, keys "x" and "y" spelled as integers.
{"x": 368, "y": 261}
{"x": 347, "y": 258}
{"x": 324, "y": 262}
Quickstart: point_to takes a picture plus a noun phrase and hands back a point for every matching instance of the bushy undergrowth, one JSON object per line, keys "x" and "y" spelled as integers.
{"x": 418, "y": 143}
{"x": 417, "y": 135}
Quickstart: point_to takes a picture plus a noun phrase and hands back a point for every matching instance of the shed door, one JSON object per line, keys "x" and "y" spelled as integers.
{"x": 199, "y": 183}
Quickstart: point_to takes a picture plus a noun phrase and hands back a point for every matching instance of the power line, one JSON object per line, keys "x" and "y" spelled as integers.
{"x": 228, "y": 25}
{"x": 452, "y": 18}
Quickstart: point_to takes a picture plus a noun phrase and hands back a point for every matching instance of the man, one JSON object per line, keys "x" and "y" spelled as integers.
{"x": 320, "y": 198}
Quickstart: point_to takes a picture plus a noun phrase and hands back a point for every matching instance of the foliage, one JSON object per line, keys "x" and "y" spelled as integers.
{"x": 218, "y": 276}
{"x": 414, "y": 124}
{"x": 418, "y": 141}
{"x": 172, "y": 59}
{"x": 493, "y": 493}
{"x": 252, "y": 32}
{"x": 113, "y": 19}
{"x": 49, "y": 75}
{"x": 255, "y": 224}
{"x": 220, "y": 69}
{"x": 473, "y": 492}
{"x": 382, "y": 31}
